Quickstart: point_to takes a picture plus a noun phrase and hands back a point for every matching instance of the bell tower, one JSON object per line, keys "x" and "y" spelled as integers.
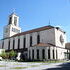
{"x": 13, "y": 26}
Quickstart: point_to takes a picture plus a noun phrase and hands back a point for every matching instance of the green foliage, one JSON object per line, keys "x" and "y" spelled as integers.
{"x": 7, "y": 55}
{"x": 12, "y": 53}
{"x": 3, "y": 54}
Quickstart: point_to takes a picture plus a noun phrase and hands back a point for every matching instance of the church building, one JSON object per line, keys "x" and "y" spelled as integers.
{"x": 42, "y": 43}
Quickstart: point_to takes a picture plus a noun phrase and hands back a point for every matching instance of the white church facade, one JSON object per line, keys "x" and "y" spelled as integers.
{"x": 42, "y": 43}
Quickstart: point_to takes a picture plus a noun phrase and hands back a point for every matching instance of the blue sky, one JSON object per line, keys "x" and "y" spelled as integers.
{"x": 37, "y": 13}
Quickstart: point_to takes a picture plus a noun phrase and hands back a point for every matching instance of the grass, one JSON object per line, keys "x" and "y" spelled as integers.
{"x": 2, "y": 66}
{"x": 50, "y": 61}
{"x": 19, "y": 68}
{"x": 34, "y": 65}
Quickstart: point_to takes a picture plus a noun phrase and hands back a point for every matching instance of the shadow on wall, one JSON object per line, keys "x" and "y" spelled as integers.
{"x": 65, "y": 66}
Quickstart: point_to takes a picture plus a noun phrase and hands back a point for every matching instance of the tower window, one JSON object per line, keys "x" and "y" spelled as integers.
{"x": 10, "y": 20}
{"x": 38, "y": 39}
{"x": 30, "y": 40}
{"x": 15, "y": 21}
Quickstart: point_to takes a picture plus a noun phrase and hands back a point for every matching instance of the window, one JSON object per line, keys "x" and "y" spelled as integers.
{"x": 15, "y": 21}
{"x": 29, "y": 54}
{"x": 43, "y": 54}
{"x": 37, "y": 53}
{"x": 9, "y": 45}
{"x": 48, "y": 53}
{"x": 10, "y": 20}
{"x": 32, "y": 54}
{"x": 18, "y": 43}
{"x": 38, "y": 39}
{"x": 24, "y": 42}
{"x": 15, "y": 30}
{"x": 30, "y": 41}
{"x": 53, "y": 54}
{"x": 13, "y": 43}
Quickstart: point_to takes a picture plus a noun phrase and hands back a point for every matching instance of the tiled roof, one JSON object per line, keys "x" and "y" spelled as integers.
{"x": 47, "y": 45}
{"x": 42, "y": 45}
{"x": 34, "y": 30}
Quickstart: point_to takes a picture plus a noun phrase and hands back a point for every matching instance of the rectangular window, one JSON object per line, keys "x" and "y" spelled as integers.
{"x": 15, "y": 21}
{"x": 30, "y": 41}
{"x": 38, "y": 39}
{"x": 24, "y": 42}
{"x": 32, "y": 54}
{"x": 48, "y": 53}
{"x": 37, "y": 53}
{"x": 53, "y": 55}
{"x": 13, "y": 43}
{"x": 29, "y": 54}
{"x": 19, "y": 43}
{"x": 43, "y": 54}
{"x": 9, "y": 45}
{"x": 10, "y": 20}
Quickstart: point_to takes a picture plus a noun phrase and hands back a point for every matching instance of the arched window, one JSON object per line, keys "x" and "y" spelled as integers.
{"x": 48, "y": 53}
{"x": 30, "y": 41}
{"x": 38, "y": 39}
{"x": 43, "y": 54}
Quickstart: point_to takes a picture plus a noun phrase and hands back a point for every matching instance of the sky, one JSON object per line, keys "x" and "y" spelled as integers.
{"x": 36, "y": 13}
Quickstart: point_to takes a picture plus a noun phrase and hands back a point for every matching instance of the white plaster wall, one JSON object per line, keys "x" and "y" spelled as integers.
{"x": 61, "y": 53}
{"x": 47, "y": 36}
{"x": 57, "y": 38}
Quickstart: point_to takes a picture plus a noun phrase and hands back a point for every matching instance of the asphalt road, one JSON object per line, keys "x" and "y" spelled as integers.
{"x": 64, "y": 66}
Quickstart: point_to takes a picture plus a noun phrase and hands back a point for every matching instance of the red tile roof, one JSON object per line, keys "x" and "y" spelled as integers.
{"x": 42, "y": 45}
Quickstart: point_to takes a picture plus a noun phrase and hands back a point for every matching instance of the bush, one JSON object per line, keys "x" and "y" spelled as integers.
{"x": 12, "y": 54}
{"x": 7, "y": 55}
